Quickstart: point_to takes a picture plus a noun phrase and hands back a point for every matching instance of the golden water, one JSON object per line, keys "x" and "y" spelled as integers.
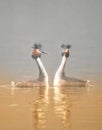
{"x": 53, "y": 108}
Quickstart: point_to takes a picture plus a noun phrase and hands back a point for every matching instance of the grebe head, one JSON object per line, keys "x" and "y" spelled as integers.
{"x": 37, "y": 51}
{"x": 66, "y": 51}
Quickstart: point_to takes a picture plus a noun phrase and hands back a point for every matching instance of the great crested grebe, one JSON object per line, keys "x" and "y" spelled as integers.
{"x": 60, "y": 77}
{"x": 43, "y": 76}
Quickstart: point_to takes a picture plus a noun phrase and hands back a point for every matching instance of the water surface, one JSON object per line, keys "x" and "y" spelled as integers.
{"x": 42, "y": 108}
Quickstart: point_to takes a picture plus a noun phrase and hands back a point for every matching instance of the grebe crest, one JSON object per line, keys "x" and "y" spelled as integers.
{"x": 66, "y": 51}
{"x": 37, "y": 51}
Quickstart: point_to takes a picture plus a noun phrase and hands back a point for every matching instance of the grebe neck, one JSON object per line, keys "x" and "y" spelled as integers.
{"x": 60, "y": 74}
{"x": 61, "y": 68}
{"x": 42, "y": 72}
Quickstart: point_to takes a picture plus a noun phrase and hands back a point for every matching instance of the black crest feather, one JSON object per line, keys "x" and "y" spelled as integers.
{"x": 37, "y": 46}
{"x": 65, "y": 46}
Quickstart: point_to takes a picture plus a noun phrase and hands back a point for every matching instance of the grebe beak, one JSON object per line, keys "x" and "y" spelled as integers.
{"x": 42, "y": 51}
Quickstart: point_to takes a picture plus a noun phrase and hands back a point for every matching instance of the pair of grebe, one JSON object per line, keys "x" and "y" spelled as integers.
{"x": 59, "y": 80}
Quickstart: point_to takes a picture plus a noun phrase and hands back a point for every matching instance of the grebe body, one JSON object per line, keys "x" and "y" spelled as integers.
{"x": 60, "y": 77}
{"x": 43, "y": 76}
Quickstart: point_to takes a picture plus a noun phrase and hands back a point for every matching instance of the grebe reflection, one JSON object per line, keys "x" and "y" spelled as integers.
{"x": 62, "y": 105}
{"x": 40, "y": 107}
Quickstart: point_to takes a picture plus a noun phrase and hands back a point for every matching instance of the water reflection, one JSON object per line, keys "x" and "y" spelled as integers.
{"x": 40, "y": 108}
{"x": 62, "y": 105}
{"x": 64, "y": 97}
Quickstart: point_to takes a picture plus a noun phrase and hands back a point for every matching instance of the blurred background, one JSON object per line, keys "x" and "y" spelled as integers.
{"x": 52, "y": 23}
